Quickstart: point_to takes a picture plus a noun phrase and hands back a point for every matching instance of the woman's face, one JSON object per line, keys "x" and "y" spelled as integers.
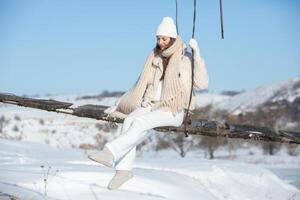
{"x": 163, "y": 41}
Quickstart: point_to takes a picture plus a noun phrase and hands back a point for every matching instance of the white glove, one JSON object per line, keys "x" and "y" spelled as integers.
{"x": 110, "y": 109}
{"x": 146, "y": 104}
{"x": 194, "y": 45}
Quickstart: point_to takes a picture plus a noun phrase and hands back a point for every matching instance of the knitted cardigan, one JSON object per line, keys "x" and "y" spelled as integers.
{"x": 177, "y": 81}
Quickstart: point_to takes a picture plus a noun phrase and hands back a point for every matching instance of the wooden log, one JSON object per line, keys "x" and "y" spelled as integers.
{"x": 196, "y": 126}
{"x": 44, "y": 104}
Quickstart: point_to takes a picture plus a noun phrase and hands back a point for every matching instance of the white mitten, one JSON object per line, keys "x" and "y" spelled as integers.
{"x": 145, "y": 104}
{"x": 117, "y": 114}
{"x": 110, "y": 109}
{"x": 194, "y": 45}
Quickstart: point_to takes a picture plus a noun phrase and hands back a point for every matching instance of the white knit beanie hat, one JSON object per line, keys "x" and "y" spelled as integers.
{"x": 167, "y": 28}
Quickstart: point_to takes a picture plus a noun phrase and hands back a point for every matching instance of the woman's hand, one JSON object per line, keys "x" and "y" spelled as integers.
{"x": 110, "y": 109}
{"x": 109, "y": 112}
{"x": 194, "y": 45}
{"x": 146, "y": 104}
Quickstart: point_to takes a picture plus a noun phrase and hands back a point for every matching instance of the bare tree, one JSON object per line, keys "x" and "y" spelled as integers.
{"x": 211, "y": 144}
{"x": 181, "y": 144}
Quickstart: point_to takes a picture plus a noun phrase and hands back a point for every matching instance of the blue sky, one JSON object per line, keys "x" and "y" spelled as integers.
{"x": 77, "y": 46}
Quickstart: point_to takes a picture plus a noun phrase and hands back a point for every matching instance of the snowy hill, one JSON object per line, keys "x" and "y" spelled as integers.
{"x": 35, "y": 171}
{"x": 205, "y": 99}
{"x": 287, "y": 90}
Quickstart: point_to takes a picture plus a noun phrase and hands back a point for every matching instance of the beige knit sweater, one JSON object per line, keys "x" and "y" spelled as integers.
{"x": 177, "y": 82}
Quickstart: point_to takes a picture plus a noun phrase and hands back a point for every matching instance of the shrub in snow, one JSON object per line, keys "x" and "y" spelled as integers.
{"x": 17, "y": 118}
{"x": 293, "y": 149}
{"x": 15, "y": 128}
{"x": 42, "y": 122}
{"x": 46, "y": 179}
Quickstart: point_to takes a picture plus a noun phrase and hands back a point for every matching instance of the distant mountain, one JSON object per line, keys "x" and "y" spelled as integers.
{"x": 288, "y": 90}
{"x": 101, "y": 96}
{"x": 276, "y": 106}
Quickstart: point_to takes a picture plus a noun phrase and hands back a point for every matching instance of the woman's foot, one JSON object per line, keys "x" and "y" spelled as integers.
{"x": 120, "y": 177}
{"x": 104, "y": 157}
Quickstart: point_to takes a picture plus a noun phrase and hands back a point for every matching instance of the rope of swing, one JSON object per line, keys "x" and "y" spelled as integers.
{"x": 221, "y": 18}
{"x": 187, "y": 112}
{"x": 177, "y": 16}
{"x": 193, "y": 35}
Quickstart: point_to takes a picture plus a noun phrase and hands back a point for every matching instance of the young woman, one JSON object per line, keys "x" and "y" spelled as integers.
{"x": 159, "y": 98}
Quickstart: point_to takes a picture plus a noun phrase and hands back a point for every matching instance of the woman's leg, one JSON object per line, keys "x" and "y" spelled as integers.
{"x": 105, "y": 156}
{"x": 126, "y": 162}
{"x": 129, "y": 119}
{"x": 137, "y": 132}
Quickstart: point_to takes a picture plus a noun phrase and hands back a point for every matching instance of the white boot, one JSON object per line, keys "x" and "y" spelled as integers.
{"x": 120, "y": 177}
{"x": 104, "y": 157}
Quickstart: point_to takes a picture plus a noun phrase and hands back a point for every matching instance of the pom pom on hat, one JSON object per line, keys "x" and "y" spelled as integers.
{"x": 167, "y": 28}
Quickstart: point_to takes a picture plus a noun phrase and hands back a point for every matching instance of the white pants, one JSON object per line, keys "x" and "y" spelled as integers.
{"x": 135, "y": 129}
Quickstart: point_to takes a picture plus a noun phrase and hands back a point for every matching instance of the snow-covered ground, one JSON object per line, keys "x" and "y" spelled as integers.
{"x": 69, "y": 174}
{"x": 58, "y": 130}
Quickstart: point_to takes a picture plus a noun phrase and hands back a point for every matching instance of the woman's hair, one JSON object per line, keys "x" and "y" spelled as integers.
{"x": 157, "y": 50}
{"x": 165, "y": 61}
